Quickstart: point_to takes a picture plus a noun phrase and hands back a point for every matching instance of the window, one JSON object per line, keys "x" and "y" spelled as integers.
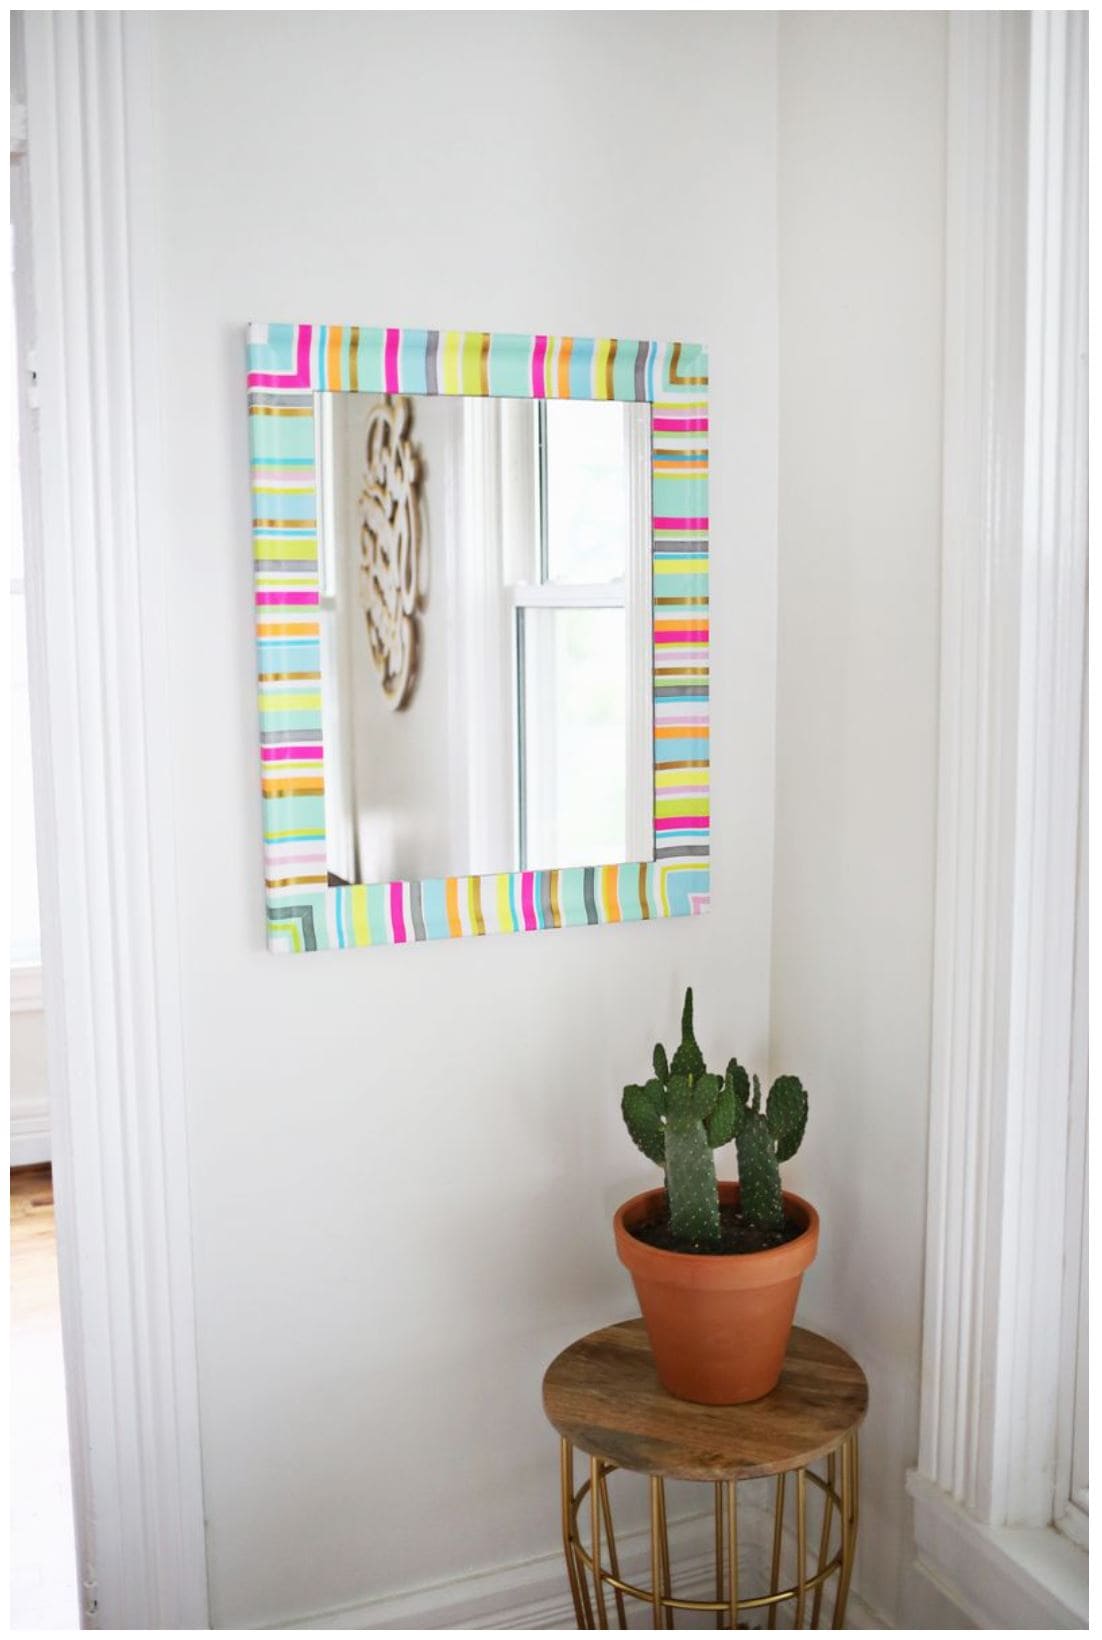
{"x": 579, "y": 614}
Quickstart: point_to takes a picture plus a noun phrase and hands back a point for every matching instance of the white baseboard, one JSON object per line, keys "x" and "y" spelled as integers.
{"x": 535, "y": 1594}
{"x": 30, "y": 1133}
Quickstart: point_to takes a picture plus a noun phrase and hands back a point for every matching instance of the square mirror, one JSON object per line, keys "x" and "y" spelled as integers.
{"x": 482, "y": 629}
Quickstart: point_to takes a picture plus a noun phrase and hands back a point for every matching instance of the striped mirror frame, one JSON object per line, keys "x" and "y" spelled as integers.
{"x": 287, "y": 364}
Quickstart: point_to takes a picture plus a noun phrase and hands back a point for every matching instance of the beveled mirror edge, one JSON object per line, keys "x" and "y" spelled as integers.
{"x": 286, "y": 365}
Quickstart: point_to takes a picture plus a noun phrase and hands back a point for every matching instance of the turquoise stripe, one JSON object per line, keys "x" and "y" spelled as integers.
{"x": 370, "y": 374}
{"x": 285, "y": 505}
{"x": 293, "y": 814}
{"x": 581, "y": 369}
{"x": 680, "y": 884}
{"x": 693, "y": 585}
{"x": 276, "y": 655}
{"x": 679, "y": 497}
{"x": 623, "y": 370}
{"x": 412, "y": 373}
{"x": 510, "y": 366}
{"x": 277, "y": 353}
{"x": 434, "y": 908}
{"x": 282, "y": 438}
{"x": 377, "y": 920}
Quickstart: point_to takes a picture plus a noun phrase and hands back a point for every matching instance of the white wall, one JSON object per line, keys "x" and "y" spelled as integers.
{"x": 404, "y": 1162}
{"x": 862, "y": 199}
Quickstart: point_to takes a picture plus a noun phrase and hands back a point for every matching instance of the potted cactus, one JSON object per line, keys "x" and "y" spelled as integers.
{"x": 717, "y": 1267}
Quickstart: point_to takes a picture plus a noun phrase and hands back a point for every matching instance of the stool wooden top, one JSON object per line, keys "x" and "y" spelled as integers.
{"x": 603, "y": 1395}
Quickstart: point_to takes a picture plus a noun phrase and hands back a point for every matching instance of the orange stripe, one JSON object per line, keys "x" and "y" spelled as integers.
{"x": 333, "y": 356}
{"x": 608, "y": 894}
{"x": 671, "y": 731}
{"x": 303, "y": 785}
{"x": 451, "y": 906}
{"x": 284, "y": 629}
{"x": 565, "y": 351}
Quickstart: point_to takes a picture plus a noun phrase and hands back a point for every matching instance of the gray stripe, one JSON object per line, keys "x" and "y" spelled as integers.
{"x": 678, "y": 849}
{"x": 295, "y": 400}
{"x": 588, "y": 882}
{"x": 641, "y": 370}
{"x": 431, "y": 347}
{"x": 307, "y": 566}
{"x": 305, "y": 914}
{"x": 665, "y": 691}
{"x": 269, "y": 736}
{"x": 545, "y": 898}
{"x": 415, "y": 911}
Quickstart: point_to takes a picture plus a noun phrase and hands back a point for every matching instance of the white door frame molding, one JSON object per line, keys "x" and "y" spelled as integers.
{"x": 98, "y": 655}
{"x": 1012, "y": 700}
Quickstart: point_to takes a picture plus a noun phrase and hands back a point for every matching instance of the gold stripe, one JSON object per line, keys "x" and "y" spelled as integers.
{"x": 290, "y": 882}
{"x": 689, "y": 763}
{"x": 281, "y": 523}
{"x": 484, "y": 365}
{"x": 683, "y": 381}
{"x": 279, "y": 410}
{"x": 288, "y": 677}
{"x": 354, "y": 359}
{"x": 609, "y": 363}
{"x": 702, "y": 599}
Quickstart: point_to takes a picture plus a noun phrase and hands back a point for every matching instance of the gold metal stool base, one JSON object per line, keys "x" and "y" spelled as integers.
{"x": 599, "y": 1566}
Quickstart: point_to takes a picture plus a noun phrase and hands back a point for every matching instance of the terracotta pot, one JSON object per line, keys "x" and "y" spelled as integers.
{"x": 718, "y": 1323}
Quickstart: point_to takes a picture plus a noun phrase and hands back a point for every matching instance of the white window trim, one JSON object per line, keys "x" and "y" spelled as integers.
{"x": 1014, "y": 567}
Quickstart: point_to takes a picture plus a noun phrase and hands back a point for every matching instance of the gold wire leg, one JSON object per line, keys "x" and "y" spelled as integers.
{"x": 778, "y": 1535}
{"x": 613, "y": 1557}
{"x": 732, "y": 1550}
{"x": 595, "y": 1532}
{"x": 719, "y": 1551}
{"x": 801, "y": 1547}
{"x": 667, "y": 1588}
{"x": 656, "y": 1548}
{"x": 566, "y": 1475}
{"x": 824, "y": 1541}
{"x": 849, "y": 1530}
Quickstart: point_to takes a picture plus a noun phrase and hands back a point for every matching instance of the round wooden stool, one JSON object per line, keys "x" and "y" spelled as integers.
{"x": 603, "y": 1396}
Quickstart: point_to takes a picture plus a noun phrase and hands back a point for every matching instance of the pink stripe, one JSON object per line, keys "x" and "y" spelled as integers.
{"x": 301, "y": 377}
{"x": 295, "y": 859}
{"x": 681, "y": 791}
{"x": 279, "y": 754}
{"x": 679, "y": 719}
{"x": 680, "y": 424}
{"x": 681, "y": 523}
{"x": 527, "y": 897}
{"x": 692, "y": 824}
{"x": 391, "y": 361}
{"x": 398, "y": 922}
{"x": 689, "y": 635}
{"x": 539, "y": 386}
{"x": 286, "y": 597}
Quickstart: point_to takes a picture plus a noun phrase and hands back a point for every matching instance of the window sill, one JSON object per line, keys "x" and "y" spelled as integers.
{"x": 26, "y": 988}
{"x": 1001, "y": 1577}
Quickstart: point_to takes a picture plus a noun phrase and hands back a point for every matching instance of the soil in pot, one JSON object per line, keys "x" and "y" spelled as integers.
{"x": 736, "y": 1235}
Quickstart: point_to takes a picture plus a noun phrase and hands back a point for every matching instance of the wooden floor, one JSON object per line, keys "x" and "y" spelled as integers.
{"x": 43, "y": 1570}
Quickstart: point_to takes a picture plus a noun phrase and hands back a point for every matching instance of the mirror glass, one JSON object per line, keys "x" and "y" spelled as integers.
{"x": 486, "y": 634}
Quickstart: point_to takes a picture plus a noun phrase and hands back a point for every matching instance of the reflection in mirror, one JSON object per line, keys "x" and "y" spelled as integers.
{"x": 486, "y": 634}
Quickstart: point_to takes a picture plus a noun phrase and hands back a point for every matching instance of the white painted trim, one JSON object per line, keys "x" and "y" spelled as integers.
{"x": 1002, "y": 1577}
{"x": 29, "y": 1132}
{"x": 26, "y": 988}
{"x": 1013, "y": 626}
{"x": 535, "y": 1594}
{"x": 104, "y": 806}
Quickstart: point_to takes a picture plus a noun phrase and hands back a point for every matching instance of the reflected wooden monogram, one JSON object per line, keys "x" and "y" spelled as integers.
{"x": 393, "y": 564}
